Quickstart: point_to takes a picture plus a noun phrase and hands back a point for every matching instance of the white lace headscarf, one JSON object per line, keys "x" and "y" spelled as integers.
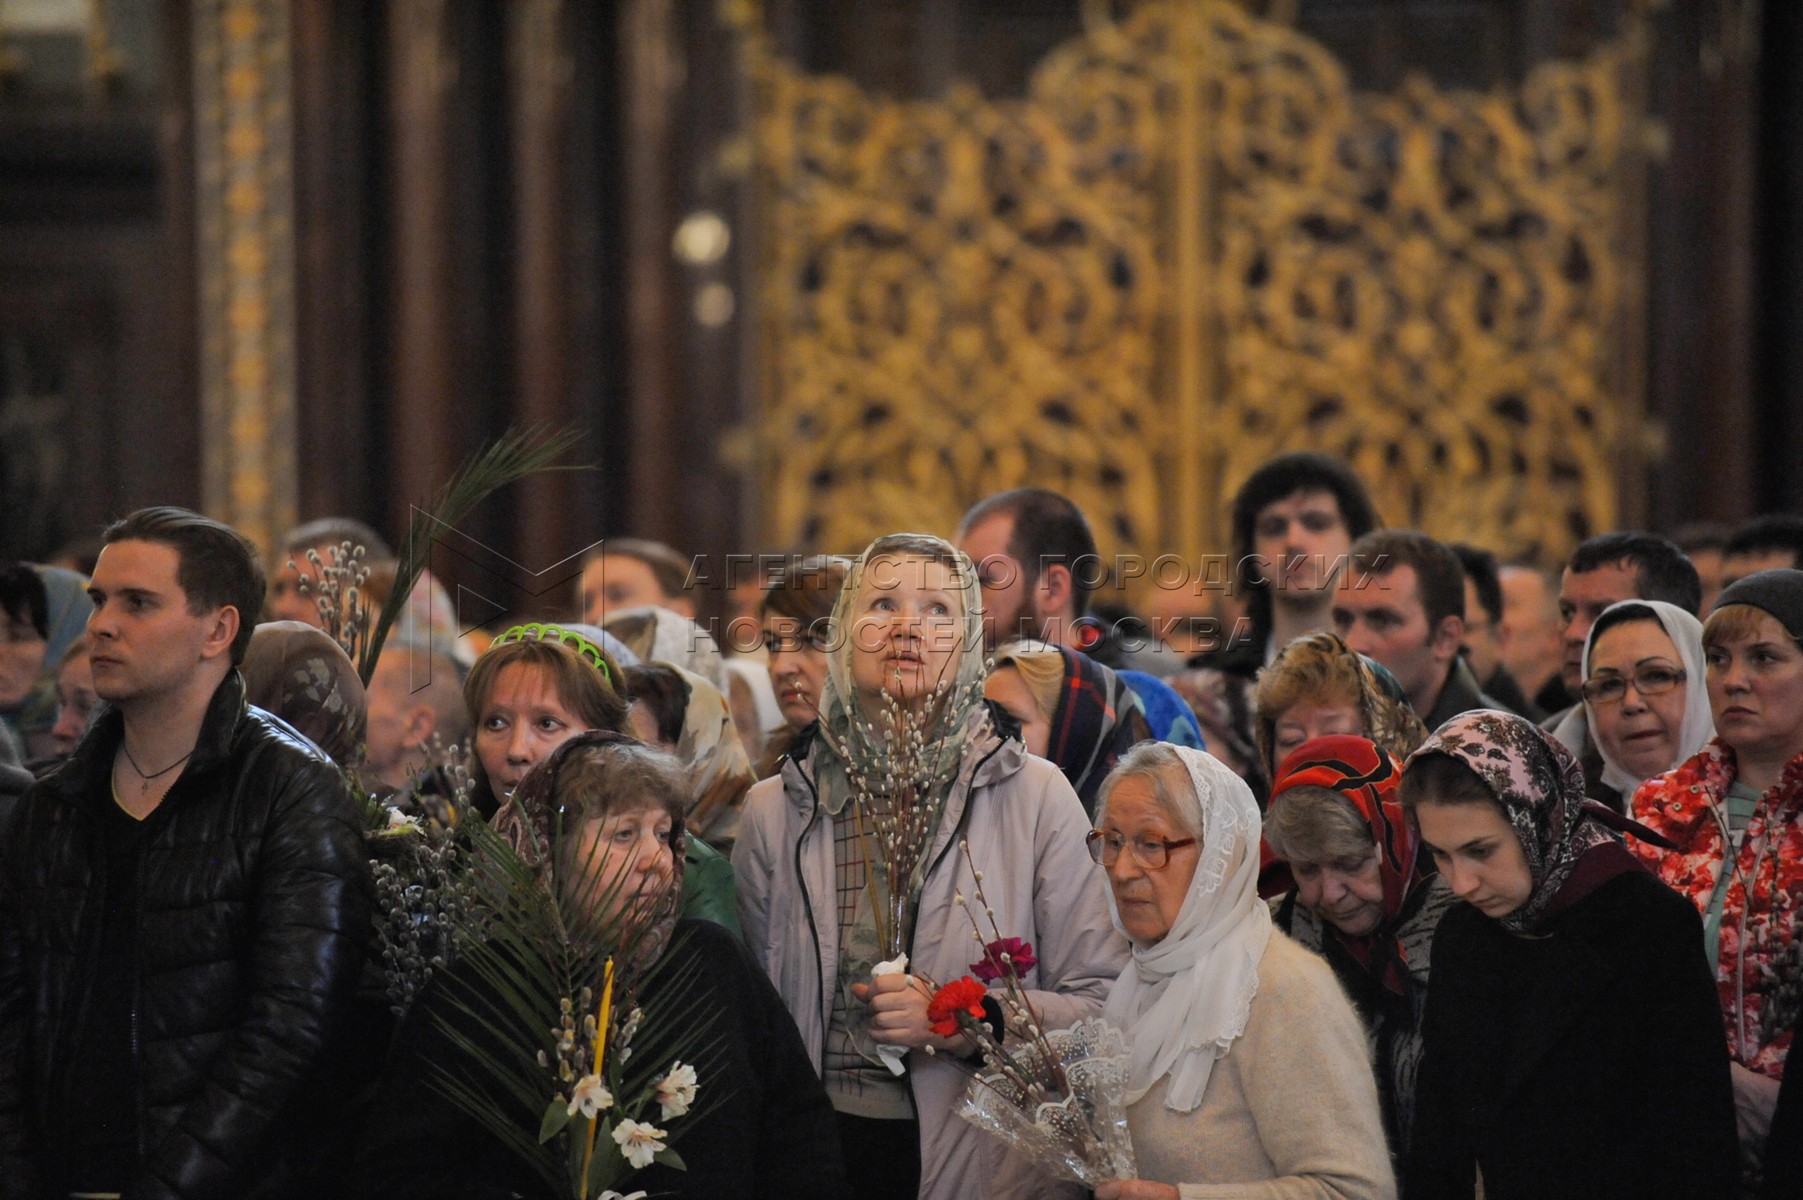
{"x": 1698, "y": 726}
{"x": 1185, "y": 998}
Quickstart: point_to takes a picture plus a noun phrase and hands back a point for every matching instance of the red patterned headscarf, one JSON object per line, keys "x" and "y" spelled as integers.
{"x": 1366, "y": 775}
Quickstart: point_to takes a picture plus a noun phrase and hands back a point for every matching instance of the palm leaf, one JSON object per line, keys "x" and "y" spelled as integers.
{"x": 518, "y": 454}
{"x": 500, "y": 1008}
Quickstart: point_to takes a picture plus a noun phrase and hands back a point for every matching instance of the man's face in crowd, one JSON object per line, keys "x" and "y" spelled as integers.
{"x": 1739, "y": 566}
{"x": 1582, "y": 599}
{"x": 1382, "y": 616}
{"x": 399, "y": 721}
{"x": 614, "y": 582}
{"x": 147, "y": 642}
{"x": 1007, "y": 592}
{"x": 1530, "y": 646}
{"x": 1301, "y": 541}
{"x": 1483, "y": 639}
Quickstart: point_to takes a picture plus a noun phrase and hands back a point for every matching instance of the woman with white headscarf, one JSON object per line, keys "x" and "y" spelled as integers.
{"x": 1646, "y": 696}
{"x": 1251, "y": 1076}
{"x": 906, "y": 638}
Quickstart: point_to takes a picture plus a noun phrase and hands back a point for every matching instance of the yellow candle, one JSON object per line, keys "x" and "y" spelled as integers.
{"x": 607, "y": 1000}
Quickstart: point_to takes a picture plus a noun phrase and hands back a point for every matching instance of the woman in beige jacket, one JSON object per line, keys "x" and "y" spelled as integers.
{"x": 1251, "y": 1076}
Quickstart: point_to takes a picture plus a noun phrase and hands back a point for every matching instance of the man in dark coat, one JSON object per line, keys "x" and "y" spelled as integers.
{"x": 184, "y": 904}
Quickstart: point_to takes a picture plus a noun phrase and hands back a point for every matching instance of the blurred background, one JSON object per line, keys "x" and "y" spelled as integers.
{"x": 808, "y": 270}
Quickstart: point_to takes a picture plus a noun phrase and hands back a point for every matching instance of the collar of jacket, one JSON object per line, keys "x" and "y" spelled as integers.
{"x": 992, "y": 751}
{"x": 1683, "y": 799}
{"x": 1459, "y": 695}
{"x": 92, "y": 761}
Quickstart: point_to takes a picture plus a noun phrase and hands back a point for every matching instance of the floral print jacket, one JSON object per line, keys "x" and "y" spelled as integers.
{"x": 1759, "y": 970}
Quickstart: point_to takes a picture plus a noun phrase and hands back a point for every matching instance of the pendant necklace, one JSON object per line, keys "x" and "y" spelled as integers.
{"x": 144, "y": 777}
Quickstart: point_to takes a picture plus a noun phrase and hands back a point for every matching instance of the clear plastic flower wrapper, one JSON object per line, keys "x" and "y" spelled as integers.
{"x": 1079, "y": 1135}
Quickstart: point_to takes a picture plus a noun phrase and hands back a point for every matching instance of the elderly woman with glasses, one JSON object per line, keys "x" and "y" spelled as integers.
{"x": 1250, "y": 1070}
{"x": 1645, "y": 696}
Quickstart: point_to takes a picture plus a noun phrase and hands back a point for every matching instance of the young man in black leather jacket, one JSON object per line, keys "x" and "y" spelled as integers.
{"x": 184, "y": 904}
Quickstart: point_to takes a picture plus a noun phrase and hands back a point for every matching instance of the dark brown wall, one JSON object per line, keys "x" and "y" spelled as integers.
{"x": 97, "y": 314}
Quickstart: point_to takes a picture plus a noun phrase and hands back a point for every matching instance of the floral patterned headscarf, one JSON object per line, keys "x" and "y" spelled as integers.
{"x": 1541, "y": 789}
{"x": 543, "y": 802}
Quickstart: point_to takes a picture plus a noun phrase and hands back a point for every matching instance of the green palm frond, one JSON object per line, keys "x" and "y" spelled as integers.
{"x": 503, "y": 1006}
{"x": 518, "y": 454}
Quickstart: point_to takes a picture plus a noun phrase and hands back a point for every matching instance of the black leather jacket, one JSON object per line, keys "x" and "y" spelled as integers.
{"x": 254, "y": 914}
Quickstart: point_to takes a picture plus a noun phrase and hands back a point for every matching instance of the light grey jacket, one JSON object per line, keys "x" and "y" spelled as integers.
{"x": 1025, "y": 827}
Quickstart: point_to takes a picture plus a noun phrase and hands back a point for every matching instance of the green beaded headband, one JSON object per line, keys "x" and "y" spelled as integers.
{"x": 566, "y": 637}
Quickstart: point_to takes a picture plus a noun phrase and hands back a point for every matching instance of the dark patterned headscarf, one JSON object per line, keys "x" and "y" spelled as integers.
{"x": 544, "y": 807}
{"x": 1541, "y": 789}
{"x": 301, "y": 675}
{"x": 1366, "y": 776}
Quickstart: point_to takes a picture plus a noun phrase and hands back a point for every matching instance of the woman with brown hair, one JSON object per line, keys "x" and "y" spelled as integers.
{"x": 1734, "y": 812}
{"x": 1572, "y": 1042}
{"x": 600, "y": 829}
{"x": 535, "y": 688}
{"x": 1320, "y": 686}
{"x": 796, "y": 609}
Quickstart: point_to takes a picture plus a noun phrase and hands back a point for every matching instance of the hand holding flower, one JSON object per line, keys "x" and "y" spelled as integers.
{"x": 898, "y": 1015}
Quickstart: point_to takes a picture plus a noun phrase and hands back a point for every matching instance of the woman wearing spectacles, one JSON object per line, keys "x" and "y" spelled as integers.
{"x": 1735, "y": 812}
{"x": 1250, "y": 1071}
{"x": 1645, "y": 696}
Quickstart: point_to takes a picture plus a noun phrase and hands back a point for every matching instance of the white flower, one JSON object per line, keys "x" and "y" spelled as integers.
{"x": 610, "y": 1194}
{"x": 591, "y": 1096}
{"x": 398, "y": 820}
{"x": 676, "y": 1091}
{"x": 639, "y": 1141}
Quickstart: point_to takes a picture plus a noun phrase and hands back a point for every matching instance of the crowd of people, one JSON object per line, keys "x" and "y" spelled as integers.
{"x": 1404, "y": 871}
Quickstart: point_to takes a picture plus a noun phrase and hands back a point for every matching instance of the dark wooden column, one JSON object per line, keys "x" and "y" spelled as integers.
{"x": 422, "y": 351}
{"x": 332, "y": 83}
{"x": 651, "y": 65}
{"x": 549, "y": 523}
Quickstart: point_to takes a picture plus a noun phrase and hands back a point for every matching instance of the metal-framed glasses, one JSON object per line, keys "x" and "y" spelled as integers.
{"x": 1149, "y": 852}
{"x": 1650, "y": 680}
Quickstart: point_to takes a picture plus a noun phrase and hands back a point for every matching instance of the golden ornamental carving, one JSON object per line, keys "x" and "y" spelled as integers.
{"x": 243, "y": 185}
{"x": 1189, "y": 246}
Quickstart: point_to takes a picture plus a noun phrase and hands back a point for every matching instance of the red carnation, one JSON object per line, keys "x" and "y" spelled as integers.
{"x": 963, "y": 995}
{"x": 1020, "y": 960}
